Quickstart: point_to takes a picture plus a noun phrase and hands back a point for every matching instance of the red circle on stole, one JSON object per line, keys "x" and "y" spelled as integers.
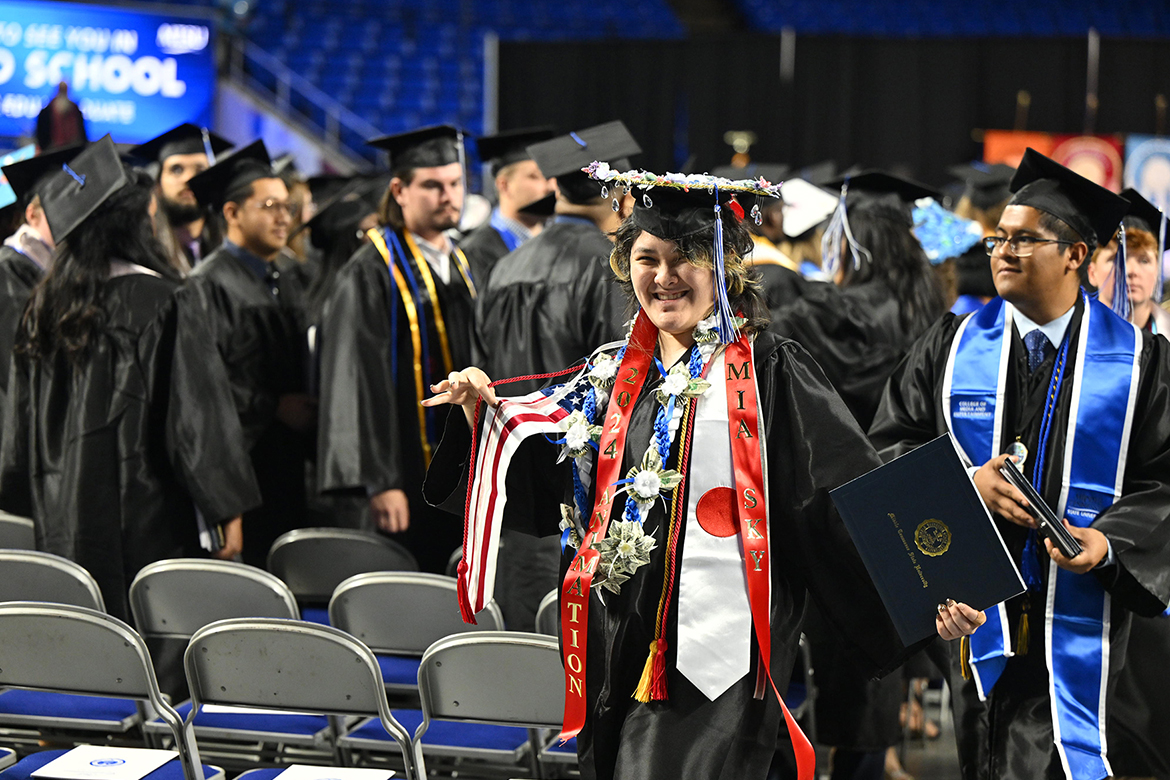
{"x": 716, "y": 512}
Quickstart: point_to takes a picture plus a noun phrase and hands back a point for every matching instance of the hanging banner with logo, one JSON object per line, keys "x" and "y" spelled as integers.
{"x": 1147, "y": 168}
{"x": 1096, "y": 157}
{"x": 1007, "y": 146}
{"x": 133, "y": 73}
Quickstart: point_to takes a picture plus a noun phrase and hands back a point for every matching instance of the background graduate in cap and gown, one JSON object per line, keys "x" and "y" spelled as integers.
{"x": 258, "y": 317}
{"x": 884, "y": 295}
{"x": 672, "y": 686}
{"x": 554, "y": 299}
{"x": 399, "y": 317}
{"x": 1080, "y": 397}
{"x": 27, "y": 254}
{"x": 518, "y": 182}
{"x": 186, "y": 227}
{"x": 119, "y": 423}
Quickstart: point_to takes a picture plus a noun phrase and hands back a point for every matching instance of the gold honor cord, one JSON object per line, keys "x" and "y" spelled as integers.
{"x": 415, "y": 337}
{"x": 424, "y": 270}
{"x": 465, "y": 270}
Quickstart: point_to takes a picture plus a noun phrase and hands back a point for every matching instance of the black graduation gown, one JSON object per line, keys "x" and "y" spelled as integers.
{"x": 369, "y": 437}
{"x": 259, "y": 328}
{"x": 19, "y": 274}
{"x": 484, "y": 247}
{"x": 854, "y": 333}
{"x": 814, "y": 445}
{"x": 1139, "y": 712}
{"x": 1010, "y": 736}
{"x": 550, "y": 302}
{"x": 111, "y": 457}
{"x": 781, "y": 285}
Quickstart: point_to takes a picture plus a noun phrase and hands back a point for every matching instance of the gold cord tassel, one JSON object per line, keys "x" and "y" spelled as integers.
{"x": 1022, "y": 634}
{"x": 965, "y": 657}
{"x": 642, "y": 692}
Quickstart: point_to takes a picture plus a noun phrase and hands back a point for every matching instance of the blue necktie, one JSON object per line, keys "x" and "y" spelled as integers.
{"x": 1039, "y": 348}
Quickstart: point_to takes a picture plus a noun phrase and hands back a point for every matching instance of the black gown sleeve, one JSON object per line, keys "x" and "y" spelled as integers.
{"x": 358, "y": 432}
{"x": 1136, "y": 524}
{"x": 15, "y": 485}
{"x": 815, "y": 445}
{"x": 204, "y": 439}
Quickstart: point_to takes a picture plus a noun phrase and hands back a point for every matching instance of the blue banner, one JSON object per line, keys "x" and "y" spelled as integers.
{"x": 133, "y": 73}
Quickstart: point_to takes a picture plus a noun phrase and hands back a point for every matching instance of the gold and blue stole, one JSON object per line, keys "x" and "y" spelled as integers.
{"x": 1077, "y": 608}
{"x": 414, "y": 284}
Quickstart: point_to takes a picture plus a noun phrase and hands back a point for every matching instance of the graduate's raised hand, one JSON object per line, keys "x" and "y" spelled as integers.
{"x": 463, "y": 388}
{"x": 956, "y": 620}
{"x": 1001, "y": 496}
{"x": 1094, "y": 548}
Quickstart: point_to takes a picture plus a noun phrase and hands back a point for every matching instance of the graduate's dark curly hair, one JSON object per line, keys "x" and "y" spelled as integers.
{"x": 896, "y": 258}
{"x": 743, "y": 287}
{"x": 65, "y": 310}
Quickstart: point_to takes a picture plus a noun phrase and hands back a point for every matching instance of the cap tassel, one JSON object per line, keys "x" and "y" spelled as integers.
{"x": 965, "y": 657}
{"x": 1161, "y": 258}
{"x": 837, "y": 232}
{"x": 1121, "y": 306}
{"x": 728, "y": 332}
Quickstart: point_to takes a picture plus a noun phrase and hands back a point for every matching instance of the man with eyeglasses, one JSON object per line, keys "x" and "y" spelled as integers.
{"x": 258, "y": 317}
{"x": 1078, "y": 398}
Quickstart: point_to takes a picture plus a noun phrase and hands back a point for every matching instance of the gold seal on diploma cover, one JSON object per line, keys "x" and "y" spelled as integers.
{"x": 932, "y": 537}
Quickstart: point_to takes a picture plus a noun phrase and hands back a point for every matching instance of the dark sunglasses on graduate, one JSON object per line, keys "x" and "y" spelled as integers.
{"x": 1020, "y": 246}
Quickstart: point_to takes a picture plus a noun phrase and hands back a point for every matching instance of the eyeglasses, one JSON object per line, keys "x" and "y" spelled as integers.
{"x": 273, "y": 206}
{"x": 1020, "y": 246}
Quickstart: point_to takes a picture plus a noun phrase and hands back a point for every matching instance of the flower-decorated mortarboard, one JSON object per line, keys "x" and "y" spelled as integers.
{"x": 28, "y": 176}
{"x": 676, "y": 205}
{"x": 566, "y": 156}
{"x": 427, "y": 147}
{"x": 754, "y": 170}
{"x": 504, "y": 149}
{"x": 985, "y": 184}
{"x": 1089, "y": 209}
{"x": 77, "y": 188}
{"x": 183, "y": 139}
{"x": 240, "y": 168}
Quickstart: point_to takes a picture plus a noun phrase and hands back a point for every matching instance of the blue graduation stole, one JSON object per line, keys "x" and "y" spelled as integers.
{"x": 511, "y": 240}
{"x": 1076, "y": 624}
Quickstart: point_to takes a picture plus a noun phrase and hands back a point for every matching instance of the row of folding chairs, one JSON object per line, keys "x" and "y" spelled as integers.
{"x": 398, "y": 614}
{"x": 504, "y": 680}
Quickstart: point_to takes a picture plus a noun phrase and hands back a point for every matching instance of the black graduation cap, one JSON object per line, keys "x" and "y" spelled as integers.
{"x": 428, "y": 147}
{"x": 875, "y": 182}
{"x": 674, "y": 213}
{"x": 349, "y": 204}
{"x": 183, "y": 139}
{"x": 774, "y": 173}
{"x": 286, "y": 164}
{"x": 80, "y": 186}
{"x": 1088, "y": 208}
{"x": 503, "y": 149}
{"x": 545, "y": 207}
{"x": 30, "y": 176}
{"x": 985, "y": 185}
{"x": 565, "y": 154}
{"x": 820, "y": 173}
{"x": 1142, "y": 214}
{"x": 238, "y": 169}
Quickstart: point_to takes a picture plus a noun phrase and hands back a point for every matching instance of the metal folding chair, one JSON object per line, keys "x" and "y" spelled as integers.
{"x": 548, "y": 618}
{"x": 173, "y": 599}
{"x": 27, "y": 575}
{"x": 508, "y": 679}
{"x": 62, "y": 648}
{"x": 314, "y": 561}
{"x": 17, "y": 533}
{"x": 289, "y": 665}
